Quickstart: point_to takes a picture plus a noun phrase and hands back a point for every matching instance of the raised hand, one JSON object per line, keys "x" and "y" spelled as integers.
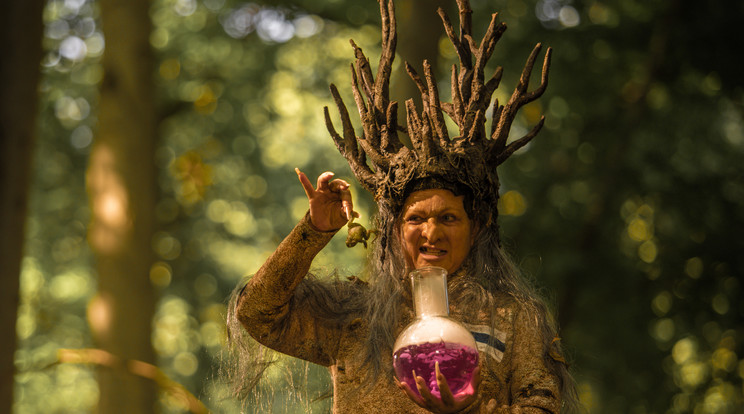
{"x": 330, "y": 202}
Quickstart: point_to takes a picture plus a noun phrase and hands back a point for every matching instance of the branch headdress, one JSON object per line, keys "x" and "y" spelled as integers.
{"x": 386, "y": 167}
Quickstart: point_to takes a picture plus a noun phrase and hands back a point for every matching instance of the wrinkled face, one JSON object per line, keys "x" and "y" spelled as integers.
{"x": 435, "y": 230}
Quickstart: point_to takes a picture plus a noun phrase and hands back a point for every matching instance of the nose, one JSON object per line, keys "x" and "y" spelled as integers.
{"x": 431, "y": 231}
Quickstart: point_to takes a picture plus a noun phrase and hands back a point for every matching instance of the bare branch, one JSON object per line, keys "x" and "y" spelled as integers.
{"x": 514, "y": 146}
{"x": 457, "y": 104}
{"x": 495, "y": 116}
{"x": 462, "y": 51}
{"x": 419, "y": 83}
{"x": 466, "y": 18}
{"x": 347, "y": 145}
{"x": 471, "y": 157}
{"x": 519, "y": 98}
{"x": 390, "y": 143}
{"x": 364, "y": 73}
{"x": 493, "y": 34}
{"x": 384, "y": 69}
{"x": 475, "y": 135}
{"x": 414, "y": 126}
{"x": 434, "y": 109}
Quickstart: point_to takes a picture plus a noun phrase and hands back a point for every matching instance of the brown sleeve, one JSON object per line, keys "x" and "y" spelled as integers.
{"x": 535, "y": 388}
{"x": 267, "y": 308}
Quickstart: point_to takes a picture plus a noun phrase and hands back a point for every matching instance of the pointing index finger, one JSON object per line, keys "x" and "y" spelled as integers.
{"x": 306, "y": 184}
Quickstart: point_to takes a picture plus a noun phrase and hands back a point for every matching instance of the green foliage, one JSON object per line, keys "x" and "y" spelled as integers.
{"x": 56, "y": 279}
{"x": 628, "y": 207}
{"x": 633, "y": 201}
{"x": 241, "y": 105}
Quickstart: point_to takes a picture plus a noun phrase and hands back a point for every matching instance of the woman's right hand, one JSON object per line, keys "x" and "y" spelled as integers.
{"x": 446, "y": 402}
{"x": 330, "y": 203}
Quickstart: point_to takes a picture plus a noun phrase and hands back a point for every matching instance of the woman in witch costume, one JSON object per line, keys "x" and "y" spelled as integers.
{"x": 436, "y": 206}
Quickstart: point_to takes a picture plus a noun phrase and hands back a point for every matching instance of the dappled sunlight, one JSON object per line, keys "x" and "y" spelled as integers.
{"x": 75, "y": 389}
{"x": 174, "y": 328}
{"x": 234, "y": 257}
{"x": 254, "y": 186}
{"x": 71, "y": 286}
{"x": 112, "y": 221}
{"x": 193, "y": 175}
{"x": 557, "y": 13}
{"x": 690, "y": 372}
{"x": 271, "y": 24}
{"x": 100, "y": 314}
{"x": 166, "y": 246}
{"x": 627, "y": 204}
{"x": 588, "y": 396}
{"x": 235, "y": 217}
{"x": 512, "y": 203}
{"x": 639, "y": 236}
{"x": 161, "y": 274}
{"x": 663, "y": 330}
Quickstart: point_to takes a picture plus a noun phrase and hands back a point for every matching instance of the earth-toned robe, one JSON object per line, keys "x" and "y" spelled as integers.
{"x": 514, "y": 363}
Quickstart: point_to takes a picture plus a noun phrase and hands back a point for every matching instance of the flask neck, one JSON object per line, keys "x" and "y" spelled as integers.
{"x": 429, "y": 285}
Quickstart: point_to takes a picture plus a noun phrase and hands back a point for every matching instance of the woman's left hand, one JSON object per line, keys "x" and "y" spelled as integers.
{"x": 330, "y": 203}
{"x": 447, "y": 403}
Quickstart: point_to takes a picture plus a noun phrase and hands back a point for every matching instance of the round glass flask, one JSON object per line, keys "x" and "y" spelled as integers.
{"x": 433, "y": 338}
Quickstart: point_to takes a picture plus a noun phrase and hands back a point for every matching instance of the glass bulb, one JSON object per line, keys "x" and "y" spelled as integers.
{"x": 433, "y": 338}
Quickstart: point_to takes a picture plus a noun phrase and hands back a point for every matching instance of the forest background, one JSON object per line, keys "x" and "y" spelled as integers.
{"x": 147, "y": 160}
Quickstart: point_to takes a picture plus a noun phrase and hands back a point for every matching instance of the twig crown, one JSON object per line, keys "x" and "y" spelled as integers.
{"x": 386, "y": 167}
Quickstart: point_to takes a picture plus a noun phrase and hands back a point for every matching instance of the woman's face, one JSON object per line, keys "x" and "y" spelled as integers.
{"x": 435, "y": 230}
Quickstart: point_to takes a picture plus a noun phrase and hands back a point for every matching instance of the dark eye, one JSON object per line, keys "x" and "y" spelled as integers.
{"x": 413, "y": 219}
{"x": 449, "y": 217}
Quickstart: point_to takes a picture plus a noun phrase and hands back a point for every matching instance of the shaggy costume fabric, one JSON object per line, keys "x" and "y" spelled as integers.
{"x": 516, "y": 373}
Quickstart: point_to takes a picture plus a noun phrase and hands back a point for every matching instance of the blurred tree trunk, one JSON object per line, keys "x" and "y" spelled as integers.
{"x": 121, "y": 182}
{"x": 418, "y": 23}
{"x": 20, "y": 48}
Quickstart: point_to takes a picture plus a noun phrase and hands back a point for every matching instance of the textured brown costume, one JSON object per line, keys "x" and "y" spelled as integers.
{"x": 520, "y": 373}
{"x": 271, "y": 315}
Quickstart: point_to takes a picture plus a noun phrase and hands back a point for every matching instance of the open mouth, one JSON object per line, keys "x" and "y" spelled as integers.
{"x": 432, "y": 251}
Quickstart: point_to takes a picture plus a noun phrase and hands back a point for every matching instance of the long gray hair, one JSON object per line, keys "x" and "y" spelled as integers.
{"x": 489, "y": 270}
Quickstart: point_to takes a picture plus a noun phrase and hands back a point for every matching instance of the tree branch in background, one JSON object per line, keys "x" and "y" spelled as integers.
{"x": 143, "y": 369}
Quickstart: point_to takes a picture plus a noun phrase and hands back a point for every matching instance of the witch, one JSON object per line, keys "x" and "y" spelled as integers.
{"x": 436, "y": 206}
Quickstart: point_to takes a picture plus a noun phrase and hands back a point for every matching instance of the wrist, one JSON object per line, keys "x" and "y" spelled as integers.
{"x": 309, "y": 220}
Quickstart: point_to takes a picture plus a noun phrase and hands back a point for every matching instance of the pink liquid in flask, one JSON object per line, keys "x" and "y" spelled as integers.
{"x": 456, "y": 362}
